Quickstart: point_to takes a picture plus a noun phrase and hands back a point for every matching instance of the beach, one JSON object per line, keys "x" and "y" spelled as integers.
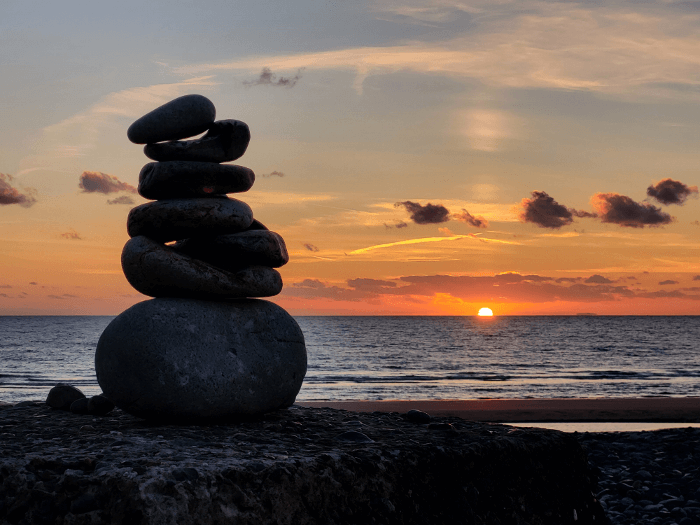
{"x": 652, "y": 409}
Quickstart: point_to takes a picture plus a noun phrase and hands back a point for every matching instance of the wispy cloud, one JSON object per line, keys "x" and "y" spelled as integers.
{"x": 605, "y": 48}
{"x": 75, "y": 137}
{"x": 427, "y": 239}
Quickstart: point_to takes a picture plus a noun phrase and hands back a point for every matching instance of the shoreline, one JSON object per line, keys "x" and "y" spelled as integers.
{"x": 531, "y": 410}
{"x": 584, "y": 410}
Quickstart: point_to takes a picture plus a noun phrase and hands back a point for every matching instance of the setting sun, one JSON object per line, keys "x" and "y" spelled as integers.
{"x": 485, "y": 312}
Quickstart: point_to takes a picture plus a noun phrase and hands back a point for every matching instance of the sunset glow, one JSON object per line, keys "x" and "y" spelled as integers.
{"x": 485, "y": 312}
{"x": 417, "y": 157}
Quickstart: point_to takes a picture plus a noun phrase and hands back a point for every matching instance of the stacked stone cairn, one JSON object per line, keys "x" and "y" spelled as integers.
{"x": 203, "y": 348}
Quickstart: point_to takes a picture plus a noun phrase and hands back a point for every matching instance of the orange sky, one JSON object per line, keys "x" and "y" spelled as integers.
{"x": 422, "y": 157}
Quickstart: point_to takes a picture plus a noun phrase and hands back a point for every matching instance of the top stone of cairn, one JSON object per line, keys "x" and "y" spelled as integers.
{"x": 178, "y": 119}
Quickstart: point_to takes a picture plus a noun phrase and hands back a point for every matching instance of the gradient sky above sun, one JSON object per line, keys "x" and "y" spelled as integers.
{"x": 426, "y": 157}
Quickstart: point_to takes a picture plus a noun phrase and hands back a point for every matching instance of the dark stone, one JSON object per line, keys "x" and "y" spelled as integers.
{"x": 257, "y": 225}
{"x": 189, "y": 359}
{"x": 62, "y": 396}
{"x": 183, "y": 117}
{"x": 225, "y": 141}
{"x": 79, "y": 406}
{"x": 84, "y": 503}
{"x": 180, "y": 179}
{"x": 176, "y": 219}
{"x": 236, "y": 250}
{"x": 354, "y": 436}
{"x": 417, "y": 416}
{"x": 441, "y": 426}
{"x": 99, "y": 405}
{"x": 159, "y": 271}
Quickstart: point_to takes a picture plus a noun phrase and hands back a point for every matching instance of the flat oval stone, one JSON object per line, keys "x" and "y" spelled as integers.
{"x": 175, "y": 219}
{"x": 182, "y": 359}
{"x": 159, "y": 271}
{"x": 178, "y": 119}
{"x": 225, "y": 141}
{"x": 236, "y": 250}
{"x": 181, "y": 179}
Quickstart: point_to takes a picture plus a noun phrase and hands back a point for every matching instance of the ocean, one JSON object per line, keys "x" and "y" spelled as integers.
{"x": 413, "y": 357}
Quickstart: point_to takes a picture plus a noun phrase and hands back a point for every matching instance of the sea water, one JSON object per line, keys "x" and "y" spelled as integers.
{"x": 413, "y": 357}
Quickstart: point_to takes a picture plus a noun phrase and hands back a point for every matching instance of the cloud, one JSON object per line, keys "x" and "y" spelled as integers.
{"x": 569, "y": 279}
{"x": 33, "y": 283}
{"x": 71, "y": 234}
{"x": 371, "y": 285}
{"x": 620, "y": 209}
{"x": 97, "y": 182}
{"x": 11, "y": 195}
{"x": 668, "y": 281}
{"x": 428, "y": 214}
{"x": 545, "y": 212}
{"x": 5, "y": 286}
{"x": 63, "y": 146}
{"x": 598, "y": 279}
{"x": 696, "y": 278}
{"x": 669, "y": 191}
{"x": 465, "y": 216}
{"x": 316, "y": 288}
{"x": 52, "y": 296}
{"x": 399, "y": 224}
{"x": 268, "y": 78}
{"x": 310, "y": 247}
{"x": 122, "y": 199}
{"x": 273, "y": 174}
{"x": 506, "y": 287}
{"x": 620, "y": 48}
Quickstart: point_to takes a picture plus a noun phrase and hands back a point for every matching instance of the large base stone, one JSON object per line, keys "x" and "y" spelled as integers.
{"x": 190, "y": 359}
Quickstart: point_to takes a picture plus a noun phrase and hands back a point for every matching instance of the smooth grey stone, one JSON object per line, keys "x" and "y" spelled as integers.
{"x": 159, "y": 271}
{"x": 257, "y": 225}
{"x": 225, "y": 141}
{"x": 237, "y": 250}
{"x": 99, "y": 405}
{"x": 178, "y": 119}
{"x": 62, "y": 396}
{"x": 79, "y": 406}
{"x": 190, "y": 359}
{"x": 176, "y": 219}
{"x": 181, "y": 179}
{"x": 417, "y": 416}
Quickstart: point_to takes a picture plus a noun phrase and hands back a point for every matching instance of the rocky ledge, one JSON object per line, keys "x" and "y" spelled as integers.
{"x": 292, "y": 466}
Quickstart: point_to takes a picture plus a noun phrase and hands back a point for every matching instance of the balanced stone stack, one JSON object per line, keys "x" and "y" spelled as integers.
{"x": 202, "y": 348}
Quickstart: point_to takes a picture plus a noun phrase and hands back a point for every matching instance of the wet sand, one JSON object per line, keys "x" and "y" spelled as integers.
{"x": 651, "y": 409}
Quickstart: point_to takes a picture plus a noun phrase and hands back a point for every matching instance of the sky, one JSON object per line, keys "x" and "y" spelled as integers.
{"x": 419, "y": 157}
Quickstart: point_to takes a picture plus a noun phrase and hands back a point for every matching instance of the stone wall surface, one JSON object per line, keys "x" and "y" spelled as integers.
{"x": 293, "y": 466}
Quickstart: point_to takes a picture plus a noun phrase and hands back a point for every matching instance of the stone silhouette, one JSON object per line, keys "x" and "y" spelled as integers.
{"x": 204, "y": 347}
